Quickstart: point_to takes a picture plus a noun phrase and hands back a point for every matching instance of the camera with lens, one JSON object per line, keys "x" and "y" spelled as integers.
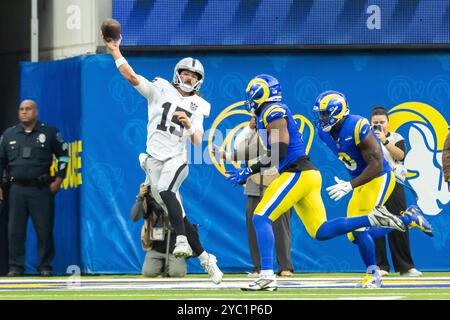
{"x": 377, "y": 127}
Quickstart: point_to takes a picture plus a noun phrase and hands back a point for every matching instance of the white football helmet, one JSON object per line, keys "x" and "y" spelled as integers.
{"x": 190, "y": 64}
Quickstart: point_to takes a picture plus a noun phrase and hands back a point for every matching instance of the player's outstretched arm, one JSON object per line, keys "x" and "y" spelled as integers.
{"x": 372, "y": 154}
{"x": 123, "y": 66}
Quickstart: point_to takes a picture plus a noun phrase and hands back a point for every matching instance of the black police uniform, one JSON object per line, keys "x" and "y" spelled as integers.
{"x": 27, "y": 158}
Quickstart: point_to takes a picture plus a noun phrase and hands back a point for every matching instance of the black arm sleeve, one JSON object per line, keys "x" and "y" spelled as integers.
{"x": 277, "y": 154}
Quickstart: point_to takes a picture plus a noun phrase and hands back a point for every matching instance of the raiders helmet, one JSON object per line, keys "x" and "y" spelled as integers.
{"x": 190, "y": 64}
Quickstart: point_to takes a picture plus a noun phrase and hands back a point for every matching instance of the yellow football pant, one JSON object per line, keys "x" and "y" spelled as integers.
{"x": 366, "y": 197}
{"x": 300, "y": 190}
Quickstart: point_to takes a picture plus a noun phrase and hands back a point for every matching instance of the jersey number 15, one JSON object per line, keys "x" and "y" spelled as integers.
{"x": 172, "y": 129}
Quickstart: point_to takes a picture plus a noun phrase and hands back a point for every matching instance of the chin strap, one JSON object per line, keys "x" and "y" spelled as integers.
{"x": 185, "y": 87}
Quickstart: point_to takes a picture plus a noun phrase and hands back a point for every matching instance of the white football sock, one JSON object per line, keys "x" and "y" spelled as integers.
{"x": 203, "y": 256}
{"x": 267, "y": 273}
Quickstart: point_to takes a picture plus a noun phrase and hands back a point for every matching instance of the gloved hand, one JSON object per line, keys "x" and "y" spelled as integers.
{"x": 239, "y": 176}
{"x": 339, "y": 190}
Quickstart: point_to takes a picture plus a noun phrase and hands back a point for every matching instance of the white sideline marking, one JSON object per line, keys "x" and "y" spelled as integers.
{"x": 268, "y": 295}
{"x": 374, "y": 298}
{"x": 131, "y": 284}
{"x": 147, "y": 280}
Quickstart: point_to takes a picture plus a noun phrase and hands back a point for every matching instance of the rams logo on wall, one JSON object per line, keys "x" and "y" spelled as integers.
{"x": 235, "y": 118}
{"x": 425, "y": 129}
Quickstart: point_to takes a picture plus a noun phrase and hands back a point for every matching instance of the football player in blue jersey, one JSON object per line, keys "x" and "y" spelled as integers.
{"x": 353, "y": 141}
{"x": 298, "y": 185}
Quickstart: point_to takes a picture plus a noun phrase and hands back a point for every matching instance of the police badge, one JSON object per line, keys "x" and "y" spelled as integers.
{"x": 42, "y": 138}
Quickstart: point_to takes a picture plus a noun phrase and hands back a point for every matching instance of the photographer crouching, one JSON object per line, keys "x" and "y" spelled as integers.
{"x": 157, "y": 237}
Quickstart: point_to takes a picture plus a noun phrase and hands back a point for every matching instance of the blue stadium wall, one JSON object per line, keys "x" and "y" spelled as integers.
{"x": 105, "y": 120}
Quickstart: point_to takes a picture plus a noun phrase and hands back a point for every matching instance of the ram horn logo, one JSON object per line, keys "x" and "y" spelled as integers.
{"x": 425, "y": 129}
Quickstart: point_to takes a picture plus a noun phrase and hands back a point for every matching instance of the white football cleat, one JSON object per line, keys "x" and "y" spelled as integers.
{"x": 210, "y": 266}
{"x": 182, "y": 248}
{"x": 263, "y": 283}
{"x": 381, "y": 217}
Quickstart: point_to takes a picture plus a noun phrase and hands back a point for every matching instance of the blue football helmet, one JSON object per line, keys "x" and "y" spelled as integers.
{"x": 262, "y": 88}
{"x": 330, "y": 107}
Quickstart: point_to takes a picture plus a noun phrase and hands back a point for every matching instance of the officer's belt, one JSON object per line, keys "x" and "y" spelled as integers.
{"x": 28, "y": 182}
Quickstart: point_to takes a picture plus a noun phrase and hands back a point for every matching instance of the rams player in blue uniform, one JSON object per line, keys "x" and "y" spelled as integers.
{"x": 298, "y": 185}
{"x": 352, "y": 140}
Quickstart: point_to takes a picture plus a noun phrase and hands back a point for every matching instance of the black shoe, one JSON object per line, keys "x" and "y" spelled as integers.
{"x": 14, "y": 273}
{"x": 45, "y": 273}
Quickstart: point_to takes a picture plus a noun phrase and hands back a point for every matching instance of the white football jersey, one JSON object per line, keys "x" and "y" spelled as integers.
{"x": 166, "y": 138}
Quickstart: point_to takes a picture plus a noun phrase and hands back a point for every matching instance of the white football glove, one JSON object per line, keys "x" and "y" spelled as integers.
{"x": 339, "y": 190}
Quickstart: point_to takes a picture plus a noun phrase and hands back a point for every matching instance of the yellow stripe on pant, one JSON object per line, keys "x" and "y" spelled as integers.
{"x": 300, "y": 190}
{"x": 371, "y": 194}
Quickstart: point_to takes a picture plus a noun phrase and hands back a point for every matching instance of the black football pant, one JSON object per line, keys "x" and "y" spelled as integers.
{"x": 398, "y": 241}
{"x": 39, "y": 204}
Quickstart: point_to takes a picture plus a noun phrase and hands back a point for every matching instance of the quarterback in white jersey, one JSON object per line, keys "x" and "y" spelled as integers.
{"x": 166, "y": 135}
{"x": 175, "y": 114}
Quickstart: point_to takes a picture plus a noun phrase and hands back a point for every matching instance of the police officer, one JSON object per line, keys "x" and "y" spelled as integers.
{"x": 26, "y": 153}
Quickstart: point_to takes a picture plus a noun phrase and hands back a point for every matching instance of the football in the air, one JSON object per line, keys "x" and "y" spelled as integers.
{"x": 111, "y": 29}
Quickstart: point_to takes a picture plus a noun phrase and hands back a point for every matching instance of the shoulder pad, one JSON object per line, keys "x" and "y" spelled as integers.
{"x": 203, "y": 106}
{"x": 160, "y": 82}
{"x": 362, "y": 129}
{"x": 273, "y": 112}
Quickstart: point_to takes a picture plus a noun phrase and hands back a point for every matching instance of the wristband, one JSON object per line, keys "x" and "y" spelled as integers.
{"x": 120, "y": 62}
{"x": 190, "y": 131}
